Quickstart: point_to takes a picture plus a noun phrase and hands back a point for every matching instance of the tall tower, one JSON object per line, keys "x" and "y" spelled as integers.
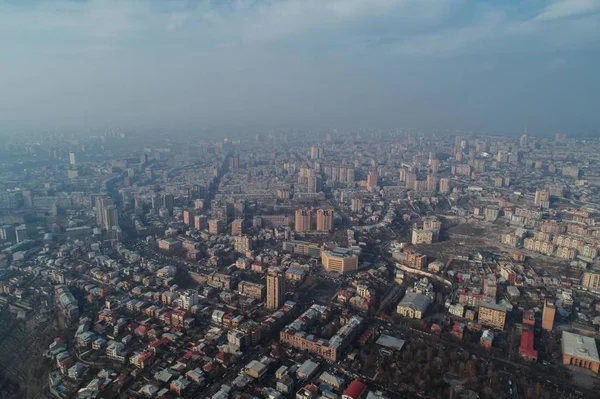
{"x": 312, "y": 184}
{"x": 188, "y": 217}
{"x": 110, "y": 217}
{"x": 302, "y": 220}
{"x": 325, "y": 220}
{"x": 275, "y": 289}
{"x": 372, "y": 179}
{"x": 444, "y": 185}
{"x": 548, "y": 315}
{"x": 101, "y": 203}
{"x": 356, "y": 205}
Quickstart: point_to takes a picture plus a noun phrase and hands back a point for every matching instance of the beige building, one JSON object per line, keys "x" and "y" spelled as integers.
{"x": 253, "y": 290}
{"x": 200, "y": 222}
{"x": 237, "y": 227}
{"x": 325, "y": 220}
{"x": 444, "y": 185}
{"x": 548, "y": 315}
{"x": 580, "y": 351}
{"x": 215, "y": 226}
{"x": 188, "y": 216}
{"x": 591, "y": 281}
{"x": 356, "y": 205}
{"x": 302, "y": 220}
{"x": 492, "y": 315}
{"x": 242, "y": 244}
{"x": 422, "y": 236}
{"x": 413, "y": 305}
{"x": 341, "y": 260}
{"x": 275, "y": 290}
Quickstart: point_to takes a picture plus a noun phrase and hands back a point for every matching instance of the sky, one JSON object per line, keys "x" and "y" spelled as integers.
{"x": 484, "y": 66}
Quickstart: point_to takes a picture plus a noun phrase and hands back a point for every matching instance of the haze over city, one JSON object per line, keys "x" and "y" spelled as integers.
{"x": 299, "y": 199}
{"x": 486, "y": 66}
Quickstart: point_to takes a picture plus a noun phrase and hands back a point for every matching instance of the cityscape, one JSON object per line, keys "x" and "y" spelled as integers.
{"x": 299, "y": 199}
{"x": 353, "y": 265}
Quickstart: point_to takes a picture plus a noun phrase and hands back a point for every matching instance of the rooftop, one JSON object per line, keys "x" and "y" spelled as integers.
{"x": 580, "y": 346}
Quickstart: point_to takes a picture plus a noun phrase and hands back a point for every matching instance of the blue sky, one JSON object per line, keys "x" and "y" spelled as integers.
{"x": 486, "y": 66}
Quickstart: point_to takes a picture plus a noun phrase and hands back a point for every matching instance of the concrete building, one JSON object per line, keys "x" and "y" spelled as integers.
{"x": 591, "y": 281}
{"x": 325, "y": 220}
{"x": 542, "y": 199}
{"x": 303, "y": 220}
{"x": 341, "y": 260}
{"x": 492, "y": 315}
{"x": 526, "y": 349}
{"x": 237, "y": 227}
{"x": 581, "y": 351}
{"x": 356, "y": 390}
{"x": 242, "y": 244}
{"x": 444, "y": 185}
{"x": 302, "y": 248}
{"x": 413, "y": 305}
{"x": 422, "y": 236}
{"x": 21, "y": 233}
{"x": 215, "y": 226}
{"x": 372, "y": 180}
{"x": 275, "y": 289}
{"x": 356, "y": 205}
{"x": 188, "y": 217}
{"x": 110, "y": 217}
{"x": 200, "y": 222}
{"x": 253, "y": 290}
{"x": 548, "y": 315}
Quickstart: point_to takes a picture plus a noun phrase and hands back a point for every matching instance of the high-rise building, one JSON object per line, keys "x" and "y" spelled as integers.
{"x": 548, "y": 315}
{"x": 302, "y": 220}
{"x": 314, "y": 153}
{"x": 110, "y": 217}
{"x": 523, "y": 140}
{"x": 312, "y": 184}
{"x": 275, "y": 289}
{"x": 72, "y": 159}
{"x": 403, "y": 173}
{"x": 542, "y": 198}
{"x": 21, "y": 233}
{"x": 215, "y": 226}
{"x": 372, "y": 179}
{"x": 356, "y": 205}
{"x": 169, "y": 202}
{"x": 349, "y": 175}
{"x": 410, "y": 179}
{"x": 431, "y": 183}
{"x": 444, "y": 185}
{"x": 242, "y": 244}
{"x": 234, "y": 162}
{"x": 237, "y": 227}
{"x": 189, "y": 298}
{"x": 492, "y": 315}
{"x": 591, "y": 280}
{"x": 188, "y": 217}
{"x": 101, "y": 203}
{"x": 200, "y": 222}
{"x": 7, "y": 233}
{"x": 325, "y": 220}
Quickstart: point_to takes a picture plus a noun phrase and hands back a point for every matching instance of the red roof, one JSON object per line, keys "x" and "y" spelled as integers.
{"x": 526, "y": 347}
{"x": 355, "y": 390}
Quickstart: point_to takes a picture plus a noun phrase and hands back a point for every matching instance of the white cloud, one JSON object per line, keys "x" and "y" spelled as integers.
{"x": 568, "y": 8}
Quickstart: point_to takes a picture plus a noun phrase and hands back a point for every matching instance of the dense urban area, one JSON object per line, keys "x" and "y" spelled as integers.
{"x": 335, "y": 264}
